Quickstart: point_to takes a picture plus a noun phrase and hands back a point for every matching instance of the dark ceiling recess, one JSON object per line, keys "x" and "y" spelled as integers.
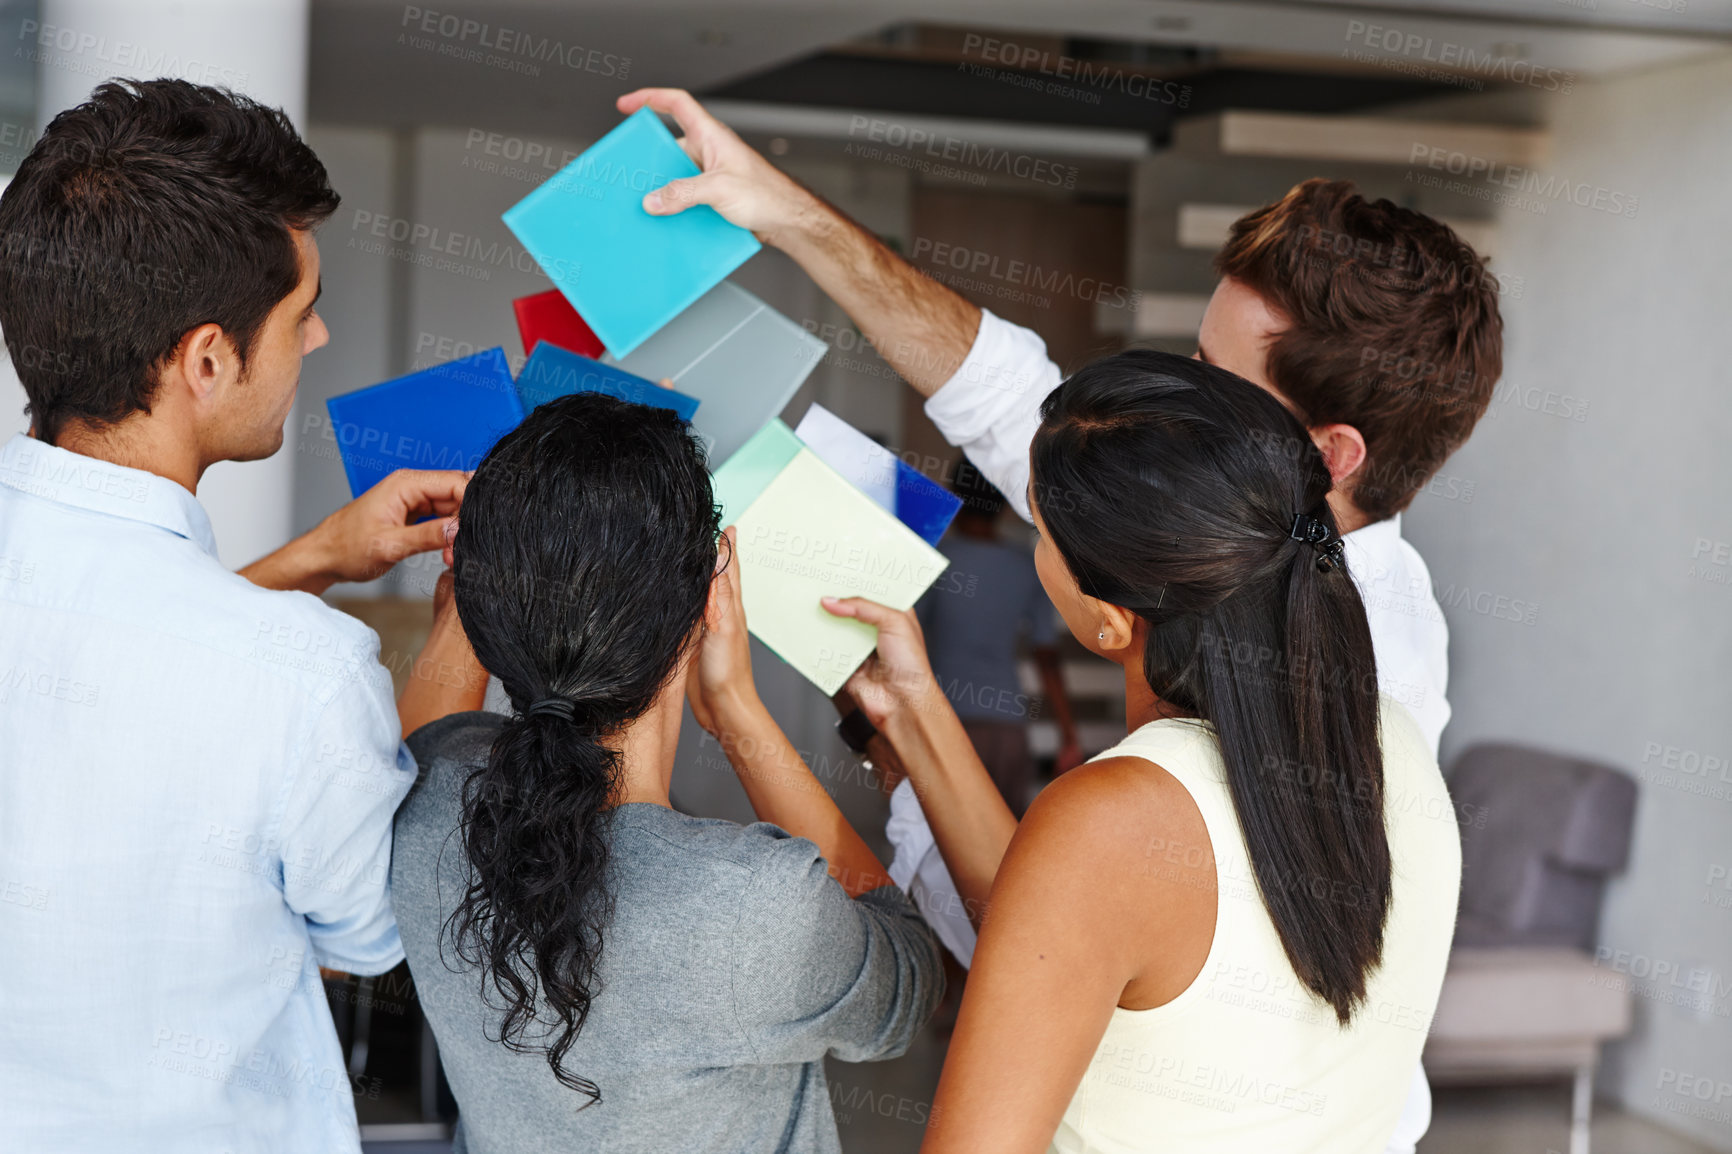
{"x": 961, "y": 89}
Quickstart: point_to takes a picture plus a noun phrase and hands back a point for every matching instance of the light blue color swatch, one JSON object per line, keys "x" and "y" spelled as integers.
{"x": 738, "y": 356}
{"x": 627, "y": 273}
{"x": 553, "y": 372}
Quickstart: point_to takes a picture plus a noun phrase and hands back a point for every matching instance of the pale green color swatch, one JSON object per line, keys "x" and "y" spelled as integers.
{"x": 749, "y": 472}
{"x": 807, "y": 533}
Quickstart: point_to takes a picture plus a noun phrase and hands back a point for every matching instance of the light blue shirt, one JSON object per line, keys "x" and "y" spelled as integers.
{"x": 197, "y": 780}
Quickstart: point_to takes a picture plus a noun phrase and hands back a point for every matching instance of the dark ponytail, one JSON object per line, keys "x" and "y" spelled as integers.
{"x": 582, "y": 568}
{"x": 1170, "y": 487}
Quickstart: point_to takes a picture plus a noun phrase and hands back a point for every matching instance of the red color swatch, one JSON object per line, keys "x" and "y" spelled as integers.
{"x": 549, "y": 317}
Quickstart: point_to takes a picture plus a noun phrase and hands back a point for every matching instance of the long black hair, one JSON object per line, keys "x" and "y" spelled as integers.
{"x": 1170, "y": 488}
{"x": 582, "y": 567}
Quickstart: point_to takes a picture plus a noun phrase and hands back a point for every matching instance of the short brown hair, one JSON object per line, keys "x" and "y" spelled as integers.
{"x": 1393, "y": 327}
{"x": 154, "y": 207}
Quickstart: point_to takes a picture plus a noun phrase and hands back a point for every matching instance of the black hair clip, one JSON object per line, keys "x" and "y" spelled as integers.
{"x": 856, "y": 730}
{"x": 1315, "y": 533}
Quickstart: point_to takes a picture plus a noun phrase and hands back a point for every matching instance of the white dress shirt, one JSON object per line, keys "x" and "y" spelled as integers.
{"x": 990, "y": 408}
{"x": 197, "y": 779}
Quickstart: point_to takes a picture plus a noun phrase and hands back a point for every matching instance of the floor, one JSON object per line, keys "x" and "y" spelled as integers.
{"x": 881, "y": 1108}
{"x": 1536, "y": 1120}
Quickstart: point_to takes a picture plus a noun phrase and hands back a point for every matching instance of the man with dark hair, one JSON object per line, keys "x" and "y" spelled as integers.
{"x": 200, "y": 767}
{"x": 1326, "y": 300}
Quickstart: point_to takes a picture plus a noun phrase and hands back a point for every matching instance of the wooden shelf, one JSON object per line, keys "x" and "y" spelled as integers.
{"x": 1362, "y": 139}
{"x": 1205, "y": 226}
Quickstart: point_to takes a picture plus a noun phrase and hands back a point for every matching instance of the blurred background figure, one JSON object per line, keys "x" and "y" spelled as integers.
{"x": 986, "y": 610}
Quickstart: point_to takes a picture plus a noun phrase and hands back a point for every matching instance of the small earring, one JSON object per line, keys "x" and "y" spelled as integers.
{"x": 1103, "y": 636}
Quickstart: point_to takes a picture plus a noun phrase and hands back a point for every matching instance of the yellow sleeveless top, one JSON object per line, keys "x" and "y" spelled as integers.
{"x": 1247, "y": 1059}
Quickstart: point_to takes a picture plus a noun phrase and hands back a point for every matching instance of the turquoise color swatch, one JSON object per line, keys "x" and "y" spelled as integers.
{"x": 627, "y": 273}
{"x": 553, "y": 372}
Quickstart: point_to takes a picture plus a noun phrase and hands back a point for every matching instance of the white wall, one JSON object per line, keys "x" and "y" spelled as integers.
{"x": 355, "y": 306}
{"x": 12, "y": 401}
{"x": 259, "y": 48}
{"x": 12, "y": 398}
{"x": 1596, "y": 522}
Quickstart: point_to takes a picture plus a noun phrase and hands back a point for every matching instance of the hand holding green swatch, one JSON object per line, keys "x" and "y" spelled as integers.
{"x": 804, "y": 532}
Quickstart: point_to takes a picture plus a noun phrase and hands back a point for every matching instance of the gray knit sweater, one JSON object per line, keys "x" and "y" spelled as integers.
{"x": 734, "y": 963}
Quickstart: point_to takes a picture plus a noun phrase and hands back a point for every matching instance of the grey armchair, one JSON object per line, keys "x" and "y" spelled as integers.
{"x": 1522, "y": 998}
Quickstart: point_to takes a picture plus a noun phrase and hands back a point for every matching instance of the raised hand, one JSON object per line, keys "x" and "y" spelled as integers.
{"x": 720, "y": 684}
{"x": 736, "y": 180}
{"x": 379, "y": 528}
{"x": 363, "y": 539}
{"x": 898, "y": 675}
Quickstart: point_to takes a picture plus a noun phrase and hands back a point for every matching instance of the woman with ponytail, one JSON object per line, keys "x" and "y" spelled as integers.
{"x": 1227, "y": 933}
{"x": 603, "y": 972}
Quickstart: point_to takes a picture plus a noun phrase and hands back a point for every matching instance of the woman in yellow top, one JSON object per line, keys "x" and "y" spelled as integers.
{"x": 1228, "y": 932}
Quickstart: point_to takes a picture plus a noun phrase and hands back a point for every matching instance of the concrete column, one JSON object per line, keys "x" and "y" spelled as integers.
{"x": 256, "y": 47}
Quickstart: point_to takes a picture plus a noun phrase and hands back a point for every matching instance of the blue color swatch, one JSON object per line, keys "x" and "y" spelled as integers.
{"x": 923, "y": 504}
{"x": 627, "y": 273}
{"x": 894, "y": 485}
{"x": 445, "y": 417}
{"x": 555, "y": 372}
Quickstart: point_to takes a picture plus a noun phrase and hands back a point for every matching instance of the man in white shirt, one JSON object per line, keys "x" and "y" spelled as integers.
{"x": 198, "y": 768}
{"x": 1375, "y": 325}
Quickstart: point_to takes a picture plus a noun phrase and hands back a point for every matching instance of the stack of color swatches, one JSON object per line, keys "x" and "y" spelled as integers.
{"x": 639, "y": 300}
{"x": 805, "y": 532}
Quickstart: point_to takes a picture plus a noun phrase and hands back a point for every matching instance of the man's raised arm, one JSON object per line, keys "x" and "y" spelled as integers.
{"x": 984, "y": 380}
{"x": 984, "y": 377}
{"x": 921, "y": 328}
